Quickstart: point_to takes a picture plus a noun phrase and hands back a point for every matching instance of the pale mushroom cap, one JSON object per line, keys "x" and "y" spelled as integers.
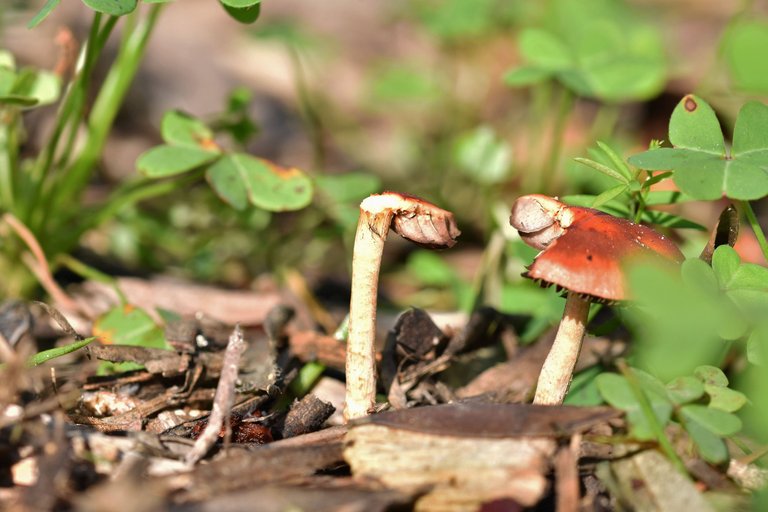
{"x": 413, "y": 218}
{"x": 584, "y": 249}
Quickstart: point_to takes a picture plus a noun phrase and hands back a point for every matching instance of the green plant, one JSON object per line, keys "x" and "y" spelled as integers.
{"x": 44, "y": 192}
{"x": 237, "y": 178}
{"x": 596, "y": 49}
{"x": 701, "y": 403}
{"x": 686, "y": 324}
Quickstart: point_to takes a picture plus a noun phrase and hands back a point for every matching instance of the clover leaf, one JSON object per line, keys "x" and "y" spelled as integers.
{"x": 703, "y": 168}
{"x": 597, "y": 51}
{"x": 237, "y": 178}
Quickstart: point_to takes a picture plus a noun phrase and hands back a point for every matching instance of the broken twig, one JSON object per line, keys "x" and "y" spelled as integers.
{"x": 223, "y": 400}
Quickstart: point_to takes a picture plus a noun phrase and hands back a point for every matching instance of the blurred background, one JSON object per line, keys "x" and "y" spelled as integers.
{"x": 459, "y": 101}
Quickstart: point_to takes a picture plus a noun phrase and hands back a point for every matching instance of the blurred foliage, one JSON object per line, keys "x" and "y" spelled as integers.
{"x": 596, "y": 48}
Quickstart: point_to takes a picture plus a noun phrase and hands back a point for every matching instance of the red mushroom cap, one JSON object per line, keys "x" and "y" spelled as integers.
{"x": 587, "y": 250}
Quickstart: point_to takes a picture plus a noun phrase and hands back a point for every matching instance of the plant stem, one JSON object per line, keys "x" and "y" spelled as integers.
{"x": 557, "y": 372}
{"x": 105, "y": 108}
{"x": 8, "y": 152}
{"x": 68, "y": 114}
{"x": 97, "y": 45}
{"x": 650, "y": 416}
{"x": 313, "y": 118}
{"x": 558, "y": 132}
{"x": 755, "y": 225}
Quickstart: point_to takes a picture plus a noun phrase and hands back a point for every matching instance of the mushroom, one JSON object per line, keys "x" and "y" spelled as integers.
{"x": 582, "y": 251}
{"x": 412, "y": 218}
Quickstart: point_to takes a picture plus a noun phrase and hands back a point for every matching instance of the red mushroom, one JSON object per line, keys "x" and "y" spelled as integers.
{"x": 412, "y": 218}
{"x": 582, "y": 252}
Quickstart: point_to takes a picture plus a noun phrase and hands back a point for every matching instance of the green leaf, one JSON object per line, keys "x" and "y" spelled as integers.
{"x": 700, "y": 276}
{"x": 43, "y": 86}
{"x": 129, "y": 325}
{"x": 750, "y": 133}
{"x": 685, "y": 389}
{"x": 663, "y": 159}
{"x": 18, "y": 101}
{"x": 430, "y": 269}
{"x": 239, "y": 4}
{"x": 351, "y": 187}
{"x": 711, "y": 375}
{"x": 483, "y": 156}
{"x": 47, "y": 355}
{"x": 725, "y": 263}
{"x": 694, "y": 125}
{"x": 603, "y": 169}
{"x": 617, "y": 392}
{"x": 180, "y": 129}
{"x": 699, "y": 160}
{"x": 711, "y": 447}
{"x": 43, "y": 13}
{"x": 526, "y": 75}
{"x": 658, "y": 178}
{"x": 398, "y": 83}
{"x": 340, "y": 195}
{"x": 743, "y": 47}
{"x": 618, "y": 163}
{"x": 112, "y": 7}
{"x": 7, "y": 60}
{"x": 268, "y": 185}
{"x": 757, "y": 345}
{"x": 725, "y": 399}
{"x": 163, "y": 161}
{"x": 454, "y": 20}
{"x": 716, "y": 421}
{"x": 246, "y": 15}
{"x": 544, "y": 50}
{"x": 608, "y": 195}
{"x": 227, "y": 182}
{"x": 583, "y": 390}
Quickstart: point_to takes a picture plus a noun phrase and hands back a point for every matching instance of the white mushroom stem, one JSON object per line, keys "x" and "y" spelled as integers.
{"x": 556, "y": 374}
{"x": 412, "y": 218}
{"x": 372, "y": 230}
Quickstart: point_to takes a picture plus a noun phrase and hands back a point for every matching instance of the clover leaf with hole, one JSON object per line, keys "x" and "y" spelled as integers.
{"x": 703, "y": 168}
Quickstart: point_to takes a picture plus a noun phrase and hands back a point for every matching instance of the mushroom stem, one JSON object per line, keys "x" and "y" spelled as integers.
{"x": 372, "y": 230}
{"x": 412, "y": 218}
{"x": 555, "y": 376}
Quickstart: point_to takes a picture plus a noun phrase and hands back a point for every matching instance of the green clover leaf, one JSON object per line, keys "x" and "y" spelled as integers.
{"x": 702, "y": 167}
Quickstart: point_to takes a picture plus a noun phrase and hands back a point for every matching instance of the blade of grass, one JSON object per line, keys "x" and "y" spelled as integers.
{"x": 619, "y": 164}
{"x": 70, "y": 184}
{"x": 8, "y": 152}
{"x": 603, "y": 169}
{"x": 47, "y": 355}
{"x": 68, "y": 116}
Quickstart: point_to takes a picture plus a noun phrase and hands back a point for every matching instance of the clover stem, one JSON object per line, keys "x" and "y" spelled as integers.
{"x": 371, "y": 233}
{"x": 556, "y": 374}
{"x": 755, "y": 225}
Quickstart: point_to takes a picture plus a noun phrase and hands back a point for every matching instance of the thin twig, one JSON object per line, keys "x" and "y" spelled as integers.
{"x": 39, "y": 265}
{"x": 223, "y": 400}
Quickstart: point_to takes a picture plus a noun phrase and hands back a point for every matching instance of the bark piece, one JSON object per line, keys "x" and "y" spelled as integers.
{"x": 307, "y": 415}
{"x": 333, "y": 497}
{"x": 464, "y": 455}
{"x": 647, "y": 482}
